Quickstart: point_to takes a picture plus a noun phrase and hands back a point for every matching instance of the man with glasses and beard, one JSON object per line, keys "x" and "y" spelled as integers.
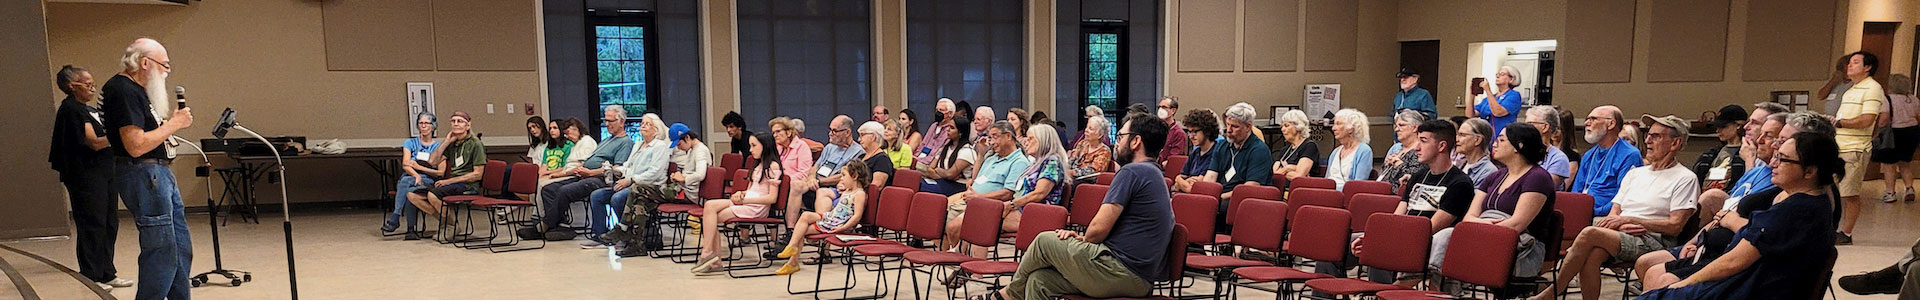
{"x": 143, "y": 176}
{"x": 1610, "y": 158}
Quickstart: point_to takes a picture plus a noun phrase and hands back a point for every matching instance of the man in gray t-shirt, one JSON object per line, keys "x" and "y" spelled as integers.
{"x": 1124, "y": 250}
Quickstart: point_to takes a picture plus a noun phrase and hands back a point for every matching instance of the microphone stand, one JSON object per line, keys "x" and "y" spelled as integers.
{"x": 234, "y": 277}
{"x": 286, "y": 219}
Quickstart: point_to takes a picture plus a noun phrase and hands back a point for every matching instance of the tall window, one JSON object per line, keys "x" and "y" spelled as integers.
{"x": 966, "y": 50}
{"x": 622, "y": 47}
{"x": 810, "y": 60}
{"x": 1103, "y": 66}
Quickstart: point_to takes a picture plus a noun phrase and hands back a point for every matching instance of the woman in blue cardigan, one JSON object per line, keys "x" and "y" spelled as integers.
{"x": 1352, "y": 159}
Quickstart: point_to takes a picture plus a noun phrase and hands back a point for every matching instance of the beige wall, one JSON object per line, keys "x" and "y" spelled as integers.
{"x": 36, "y": 203}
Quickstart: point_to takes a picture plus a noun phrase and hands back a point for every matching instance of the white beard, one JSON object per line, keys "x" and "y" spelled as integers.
{"x": 1593, "y": 137}
{"x": 157, "y": 95}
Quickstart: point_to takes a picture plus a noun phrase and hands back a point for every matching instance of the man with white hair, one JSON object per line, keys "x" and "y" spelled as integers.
{"x": 594, "y": 173}
{"x": 1547, "y": 120}
{"x": 936, "y": 134}
{"x": 645, "y": 169}
{"x": 799, "y": 131}
{"x": 143, "y": 174}
{"x": 983, "y": 116}
{"x": 1609, "y": 159}
{"x": 1655, "y": 203}
{"x": 1243, "y": 160}
{"x": 826, "y": 170}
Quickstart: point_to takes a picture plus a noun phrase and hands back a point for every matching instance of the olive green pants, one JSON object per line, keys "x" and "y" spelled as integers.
{"x": 1053, "y": 267}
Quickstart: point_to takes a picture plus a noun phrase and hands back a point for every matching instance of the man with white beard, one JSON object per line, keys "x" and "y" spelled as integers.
{"x": 143, "y": 178}
{"x": 1609, "y": 159}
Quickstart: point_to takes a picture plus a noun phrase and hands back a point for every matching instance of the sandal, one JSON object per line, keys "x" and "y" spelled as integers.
{"x": 955, "y": 280}
{"x": 991, "y": 295}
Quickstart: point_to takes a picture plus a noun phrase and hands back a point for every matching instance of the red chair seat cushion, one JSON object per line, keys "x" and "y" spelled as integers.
{"x": 756, "y": 221}
{"x": 883, "y": 250}
{"x": 1079, "y": 297}
{"x": 938, "y": 258}
{"x": 1216, "y": 262}
{"x": 834, "y": 239}
{"x": 1409, "y": 295}
{"x": 1272, "y": 274}
{"x": 488, "y": 202}
{"x": 677, "y": 208}
{"x": 1349, "y": 286}
{"x": 1222, "y": 239}
{"x": 990, "y": 267}
{"x": 461, "y": 198}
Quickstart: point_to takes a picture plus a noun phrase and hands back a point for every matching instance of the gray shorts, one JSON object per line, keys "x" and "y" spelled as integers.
{"x": 1633, "y": 246}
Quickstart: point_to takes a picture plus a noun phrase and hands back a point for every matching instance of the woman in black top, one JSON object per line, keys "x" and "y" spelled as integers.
{"x": 79, "y": 153}
{"x": 1295, "y": 154}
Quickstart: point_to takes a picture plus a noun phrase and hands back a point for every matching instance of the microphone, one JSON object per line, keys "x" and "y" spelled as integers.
{"x": 180, "y": 96}
{"x": 227, "y": 120}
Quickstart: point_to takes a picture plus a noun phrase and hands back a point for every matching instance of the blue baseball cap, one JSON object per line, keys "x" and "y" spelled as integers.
{"x": 675, "y": 131}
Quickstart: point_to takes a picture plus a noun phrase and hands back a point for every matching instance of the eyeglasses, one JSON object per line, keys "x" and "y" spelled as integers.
{"x": 1591, "y": 119}
{"x": 425, "y": 123}
{"x": 168, "y": 66}
{"x": 609, "y": 120}
{"x": 1537, "y": 123}
{"x": 1782, "y": 159}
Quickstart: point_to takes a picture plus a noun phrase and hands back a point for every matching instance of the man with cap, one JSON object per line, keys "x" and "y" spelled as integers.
{"x": 1411, "y": 96}
{"x": 1648, "y": 214}
{"x": 692, "y": 158}
{"x": 1720, "y": 166}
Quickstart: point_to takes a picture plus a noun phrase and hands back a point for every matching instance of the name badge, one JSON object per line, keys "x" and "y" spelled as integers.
{"x": 421, "y": 155}
{"x": 1717, "y": 174}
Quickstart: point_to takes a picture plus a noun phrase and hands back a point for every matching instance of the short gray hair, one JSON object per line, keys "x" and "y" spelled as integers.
{"x": 1357, "y": 122}
{"x": 659, "y": 127}
{"x": 1240, "y": 112}
{"x": 1410, "y": 116}
{"x": 1097, "y": 126}
{"x": 1300, "y": 122}
{"x": 1511, "y": 72}
{"x": 616, "y": 109}
{"x": 1771, "y": 108}
{"x": 944, "y": 102}
{"x": 799, "y": 126}
{"x": 845, "y": 122}
{"x": 140, "y": 49}
{"x": 1002, "y": 126}
{"x": 1096, "y": 110}
{"x": 1811, "y": 122}
{"x": 1546, "y": 114}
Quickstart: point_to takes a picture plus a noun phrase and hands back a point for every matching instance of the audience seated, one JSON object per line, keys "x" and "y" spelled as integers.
{"x": 1092, "y": 155}
{"x": 1203, "y": 128}
{"x": 1519, "y": 197}
{"x": 645, "y": 172}
{"x": 909, "y": 136}
{"x": 938, "y": 131}
{"x": 998, "y": 174}
{"x": 1400, "y": 164}
{"x": 1546, "y": 119}
{"x": 1442, "y": 194}
{"x": 1475, "y": 153}
{"x": 1044, "y": 178}
{"x": 877, "y": 161}
{"x": 462, "y": 160}
{"x": 592, "y": 175}
{"x": 1168, "y": 112}
{"x": 692, "y": 157}
{"x": 737, "y": 133}
{"x": 799, "y": 132}
{"x": 1783, "y": 251}
{"x": 414, "y": 156}
{"x": 898, "y": 153}
{"x": 826, "y": 170}
{"x": 1243, "y": 159}
{"x": 1722, "y": 165}
{"x": 1352, "y": 159}
{"x": 849, "y": 199}
{"x": 762, "y": 191}
{"x": 1725, "y": 213}
{"x": 951, "y": 168}
{"x": 1610, "y": 158}
{"x": 1295, "y": 155}
{"x": 1654, "y": 204}
{"x": 1123, "y": 249}
{"x": 1018, "y": 117}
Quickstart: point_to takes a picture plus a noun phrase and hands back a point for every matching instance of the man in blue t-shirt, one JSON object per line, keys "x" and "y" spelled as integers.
{"x": 1124, "y": 249}
{"x": 1609, "y": 159}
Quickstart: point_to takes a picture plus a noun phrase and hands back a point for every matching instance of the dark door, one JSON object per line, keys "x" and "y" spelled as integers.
{"x": 1877, "y": 38}
{"x": 1423, "y": 57}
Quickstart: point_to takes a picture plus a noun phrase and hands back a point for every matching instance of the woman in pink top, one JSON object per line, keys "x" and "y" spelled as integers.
{"x": 751, "y": 203}
{"x": 795, "y": 156}
{"x": 1904, "y": 117}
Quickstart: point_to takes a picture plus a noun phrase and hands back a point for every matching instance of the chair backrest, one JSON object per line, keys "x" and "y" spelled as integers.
{"x": 927, "y": 217}
{"x": 1086, "y": 203}
{"x": 1311, "y": 182}
{"x": 1104, "y": 178}
{"x": 740, "y": 182}
{"x": 893, "y": 204}
{"x": 786, "y": 186}
{"x": 1266, "y": 232}
{"x": 980, "y": 226}
{"x": 494, "y": 177}
{"x": 1037, "y": 218}
{"x": 732, "y": 161}
{"x": 1480, "y": 253}
{"x": 524, "y": 184}
{"x": 906, "y": 178}
{"x": 1320, "y": 233}
{"x": 1197, "y": 212}
{"x": 1578, "y": 211}
{"x": 1174, "y": 164}
{"x": 714, "y": 186}
{"x": 1244, "y": 192}
{"x": 1304, "y": 197}
{"x": 1177, "y": 252}
{"x": 1397, "y": 243}
{"x": 1553, "y": 239}
{"x": 871, "y": 213}
{"x": 1206, "y": 188}
{"x": 1367, "y": 187}
{"x": 1364, "y": 205}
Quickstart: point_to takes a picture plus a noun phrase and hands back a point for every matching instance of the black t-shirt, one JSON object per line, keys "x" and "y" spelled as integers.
{"x": 69, "y": 151}
{"x": 1572, "y": 156}
{"x": 1428, "y": 193}
{"x": 124, "y": 103}
{"x": 740, "y": 143}
{"x": 880, "y": 163}
{"x": 1286, "y": 152}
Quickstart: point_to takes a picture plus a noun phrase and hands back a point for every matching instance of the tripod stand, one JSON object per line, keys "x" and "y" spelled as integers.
{"x": 234, "y": 277}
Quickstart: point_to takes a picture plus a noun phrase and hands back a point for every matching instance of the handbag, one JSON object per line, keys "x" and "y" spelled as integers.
{"x": 1882, "y": 135}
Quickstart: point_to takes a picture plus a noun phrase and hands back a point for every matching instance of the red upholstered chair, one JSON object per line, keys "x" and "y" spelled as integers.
{"x": 1365, "y": 205}
{"x": 1206, "y": 188}
{"x": 1176, "y": 256}
{"x": 1319, "y": 233}
{"x": 1312, "y": 182}
{"x": 924, "y": 220}
{"x": 493, "y": 179}
{"x": 906, "y": 178}
{"x": 755, "y": 233}
{"x": 1263, "y": 234}
{"x": 1174, "y": 164}
{"x": 1086, "y": 203}
{"x": 515, "y": 219}
{"x": 1480, "y": 254}
{"x": 1396, "y": 243}
{"x": 1241, "y": 195}
{"x": 674, "y": 216}
{"x": 1304, "y": 197}
{"x": 979, "y": 226}
{"x": 1367, "y": 187}
{"x": 732, "y": 161}
{"x": 1104, "y": 178}
{"x": 1034, "y": 220}
{"x": 1197, "y": 213}
{"x": 1577, "y": 210}
{"x": 739, "y": 182}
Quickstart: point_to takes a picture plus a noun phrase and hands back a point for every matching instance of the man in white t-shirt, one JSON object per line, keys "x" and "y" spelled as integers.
{"x": 1654, "y": 204}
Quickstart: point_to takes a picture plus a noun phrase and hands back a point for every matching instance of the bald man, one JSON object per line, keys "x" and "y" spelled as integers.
{"x": 1609, "y": 159}
{"x": 143, "y": 175}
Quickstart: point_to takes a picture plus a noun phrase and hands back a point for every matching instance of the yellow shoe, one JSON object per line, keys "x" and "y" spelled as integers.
{"x": 790, "y": 252}
{"x": 788, "y": 269}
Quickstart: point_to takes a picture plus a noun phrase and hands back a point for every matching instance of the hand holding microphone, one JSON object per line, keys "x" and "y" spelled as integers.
{"x": 183, "y": 116}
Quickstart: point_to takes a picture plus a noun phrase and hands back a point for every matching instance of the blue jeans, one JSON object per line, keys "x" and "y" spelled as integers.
{"x": 604, "y": 204}
{"x": 166, "y": 253}
{"x": 400, "y": 204}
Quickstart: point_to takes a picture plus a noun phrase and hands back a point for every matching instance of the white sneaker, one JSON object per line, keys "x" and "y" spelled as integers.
{"x": 104, "y": 286}
{"x": 119, "y": 282}
{"x": 592, "y": 244}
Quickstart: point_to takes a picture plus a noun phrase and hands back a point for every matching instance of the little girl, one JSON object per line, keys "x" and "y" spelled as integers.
{"x": 849, "y": 201}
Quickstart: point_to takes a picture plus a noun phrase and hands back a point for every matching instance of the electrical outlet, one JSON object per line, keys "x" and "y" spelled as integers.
{"x": 489, "y": 108}
{"x": 510, "y": 108}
